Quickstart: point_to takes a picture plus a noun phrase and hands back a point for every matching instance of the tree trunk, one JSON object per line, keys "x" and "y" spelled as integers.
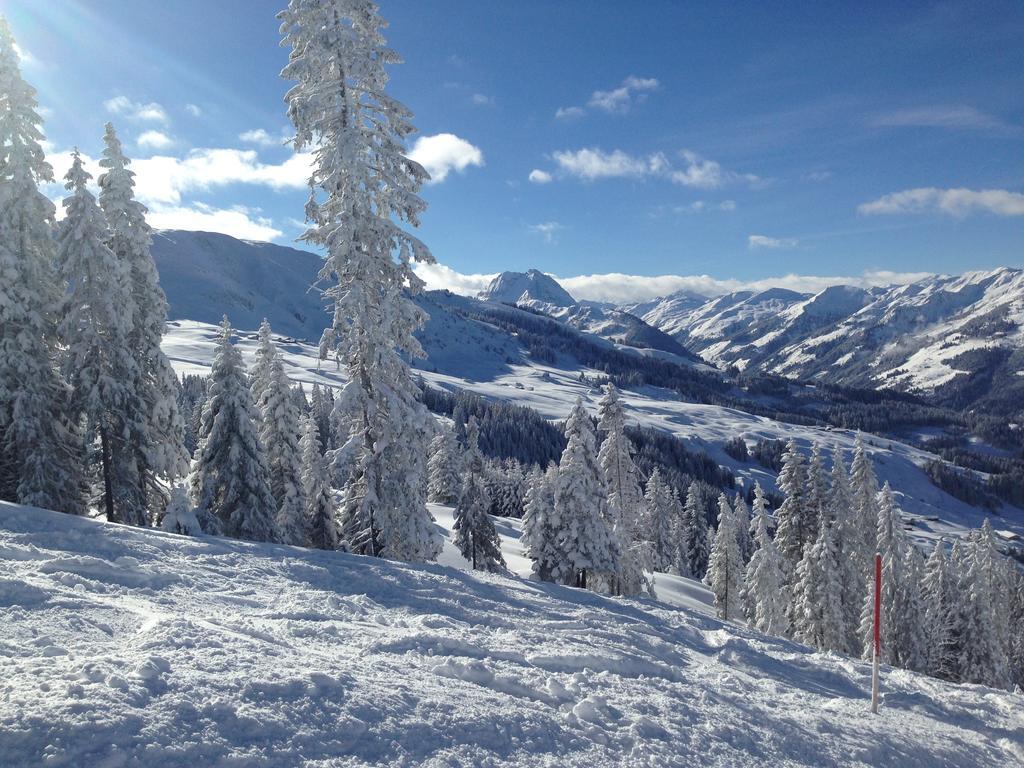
{"x": 108, "y": 489}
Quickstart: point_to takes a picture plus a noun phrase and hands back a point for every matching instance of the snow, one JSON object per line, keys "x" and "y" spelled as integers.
{"x": 552, "y": 391}
{"x": 532, "y": 285}
{"x": 129, "y": 647}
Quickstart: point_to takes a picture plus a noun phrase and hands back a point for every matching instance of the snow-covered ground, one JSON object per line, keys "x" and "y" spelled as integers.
{"x": 552, "y": 391}
{"x": 128, "y": 647}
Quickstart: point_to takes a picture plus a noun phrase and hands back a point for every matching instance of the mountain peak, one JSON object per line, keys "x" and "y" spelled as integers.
{"x": 532, "y": 285}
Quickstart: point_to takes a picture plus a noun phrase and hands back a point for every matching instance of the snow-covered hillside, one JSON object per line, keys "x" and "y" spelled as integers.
{"x": 917, "y": 337}
{"x": 130, "y": 647}
{"x": 464, "y": 354}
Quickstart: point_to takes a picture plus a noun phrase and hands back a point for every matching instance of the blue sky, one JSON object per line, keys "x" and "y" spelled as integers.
{"x": 744, "y": 142}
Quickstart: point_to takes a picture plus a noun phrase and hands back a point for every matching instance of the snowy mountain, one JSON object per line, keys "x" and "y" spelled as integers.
{"x": 532, "y": 285}
{"x": 206, "y": 275}
{"x": 126, "y": 646}
{"x": 542, "y": 293}
{"x": 958, "y": 339}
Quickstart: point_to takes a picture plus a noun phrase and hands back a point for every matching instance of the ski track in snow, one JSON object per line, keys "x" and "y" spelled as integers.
{"x": 127, "y": 647}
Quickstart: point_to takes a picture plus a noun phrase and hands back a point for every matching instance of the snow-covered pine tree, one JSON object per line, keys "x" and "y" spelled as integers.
{"x": 744, "y": 535}
{"x": 1017, "y": 621}
{"x": 158, "y": 443}
{"x": 985, "y": 658}
{"x": 817, "y": 609}
{"x": 542, "y": 524}
{"x": 864, "y": 495}
{"x": 793, "y": 531}
{"x": 444, "y": 468}
{"x": 179, "y": 517}
{"x": 363, "y": 186}
{"x": 230, "y": 482}
{"x": 725, "y": 574}
{"x": 321, "y": 405}
{"x": 316, "y": 489}
{"x": 262, "y": 366}
{"x": 40, "y": 445}
{"x": 940, "y": 596}
{"x": 279, "y": 436}
{"x": 839, "y": 508}
{"x": 695, "y": 540}
{"x": 900, "y": 620}
{"x": 581, "y": 503}
{"x": 766, "y": 595}
{"x": 475, "y": 535}
{"x": 659, "y": 517}
{"x": 96, "y": 317}
{"x": 817, "y": 491}
{"x": 625, "y": 499}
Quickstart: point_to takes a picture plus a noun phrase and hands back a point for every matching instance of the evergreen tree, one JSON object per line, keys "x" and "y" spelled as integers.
{"x": 725, "y": 567}
{"x": 316, "y": 489}
{"x": 839, "y": 508}
{"x": 363, "y": 188}
{"x": 795, "y": 518}
{"x": 475, "y": 535}
{"x": 322, "y": 403}
{"x": 40, "y": 455}
{"x": 864, "y": 523}
{"x": 658, "y": 522}
{"x": 580, "y": 500}
{"x": 900, "y": 624}
{"x": 445, "y": 469}
{"x": 262, "y": 367}
{"x": 985, "y": 658}
{"x": 96, "y": 317}
{"x": 744, "y": 532}
{"x": 542, "y": 524}
{"x": 279, "y": 436}
{"x": 625, "y": 499}
{"x": 158, "y": 441}
{"x": 766, "y": 594}
{"x": 941, "y": 596}
{"x": 817, "y": 613}
{"x": 817, "y": 491}
{"x": 695, "y": 541}
{"x": 230, "y": 482}
{"x": 179, "y": 517}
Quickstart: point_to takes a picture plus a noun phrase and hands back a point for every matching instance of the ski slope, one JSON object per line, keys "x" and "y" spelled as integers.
{"x": 128, "y": 647}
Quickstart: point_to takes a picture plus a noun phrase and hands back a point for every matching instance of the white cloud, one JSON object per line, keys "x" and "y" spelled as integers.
{"x": 440, "y": 277}
{"x": 958, "y": 117}
{"x": 697, "y": 206}
{"x": 569, "y": 113}
{"x": 238, "y": 221}
{"x": 763, "y": 241}
{"x": 547, "y": 230}
{"x": 622, "y": 288}
{"x": 443, "y": 153}
{"x": 194, "y": 110}
{"x": 262, "y": 138}
{"x": 482, "y": 100}
{"x": 154, "y": 140}
{"x": 122, "y": 105}
{"x": 957, "y": 202}
{"x": 594, "y": 163}
{"x": 537, "y": 176}
{"x": 619, "y": 100}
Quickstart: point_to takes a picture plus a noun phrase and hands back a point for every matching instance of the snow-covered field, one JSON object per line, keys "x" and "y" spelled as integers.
{"x": 128, "y": 647}
{"x": 552, "y": 391}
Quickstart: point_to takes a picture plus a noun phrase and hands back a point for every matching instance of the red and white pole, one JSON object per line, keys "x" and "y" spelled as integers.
{"x": 877, "y": 645}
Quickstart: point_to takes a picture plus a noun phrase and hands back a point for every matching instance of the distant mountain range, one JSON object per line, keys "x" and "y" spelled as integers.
{"x": 959, "y": 341}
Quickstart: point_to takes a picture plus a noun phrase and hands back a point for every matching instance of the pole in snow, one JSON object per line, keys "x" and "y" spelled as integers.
{"x": 877, "y": 644}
